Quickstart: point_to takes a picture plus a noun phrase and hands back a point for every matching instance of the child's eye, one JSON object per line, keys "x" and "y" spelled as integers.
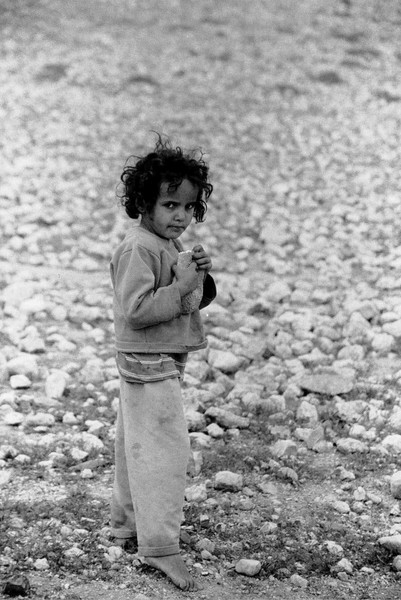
{"x": 190, "y": 206}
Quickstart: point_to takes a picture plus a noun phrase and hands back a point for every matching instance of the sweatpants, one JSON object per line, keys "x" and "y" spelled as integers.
{"x": 151, "y": 457}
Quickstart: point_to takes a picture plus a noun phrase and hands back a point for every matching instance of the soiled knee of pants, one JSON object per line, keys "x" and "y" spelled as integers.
{"x": 136, "y": 450}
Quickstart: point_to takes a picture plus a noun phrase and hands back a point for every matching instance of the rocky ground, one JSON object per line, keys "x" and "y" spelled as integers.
{"x": 294, "y": 410}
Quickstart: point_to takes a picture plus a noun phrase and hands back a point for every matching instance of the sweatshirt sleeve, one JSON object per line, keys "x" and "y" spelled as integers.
{"x": 134, "y": 286}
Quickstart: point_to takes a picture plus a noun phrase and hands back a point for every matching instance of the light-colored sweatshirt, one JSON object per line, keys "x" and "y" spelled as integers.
{"x": 147, "y": 301}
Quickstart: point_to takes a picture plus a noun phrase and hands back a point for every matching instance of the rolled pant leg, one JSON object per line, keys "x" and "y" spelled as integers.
{"x": 156, "y": 444}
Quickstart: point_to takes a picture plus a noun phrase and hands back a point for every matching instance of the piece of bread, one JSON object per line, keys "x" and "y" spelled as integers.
{"x": 191, "y": 301}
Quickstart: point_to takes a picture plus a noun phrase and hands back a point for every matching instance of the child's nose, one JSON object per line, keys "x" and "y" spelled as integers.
{"x": 180, "y": 215}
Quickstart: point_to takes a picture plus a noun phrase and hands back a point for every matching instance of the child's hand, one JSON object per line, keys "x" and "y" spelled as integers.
{"x": 202, "y": 260}
{"x": 187, "y": 278}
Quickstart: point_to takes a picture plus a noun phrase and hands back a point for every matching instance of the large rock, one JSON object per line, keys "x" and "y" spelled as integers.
{"x": 248, "y": 566}
{"x": 284, "y": 448}
{"x": 40, "y": 419}
{"x": 392, "y": 443}
{"x": 93, "y": 371}
{"x": 195, "y": 420}
{"x": 226, "y": 418}
{"x": 395, "y": 485}
{"x": 56, "y": 383}
{"x": 277, "y": 291}
{"x": 391, "y": 542}
{"x": 23, "y": 364}
{"x": 196, "y": 493}
{"x": 329, "y": 382}
{"x": 350, "y": 411}
{"x": 225, "y": 361}
{"x": 229, "y": 481}
{"x": 20, "y": 382}
{"x": 351, "y": 445}
{"x": 393, "y": 328}
{"x": 17, "y": 292}
{"x": 307, "y": 412}
{"x": 394, "y": 421}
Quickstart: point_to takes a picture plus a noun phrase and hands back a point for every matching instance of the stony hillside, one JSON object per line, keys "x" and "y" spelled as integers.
{"x": 294, "y": 410}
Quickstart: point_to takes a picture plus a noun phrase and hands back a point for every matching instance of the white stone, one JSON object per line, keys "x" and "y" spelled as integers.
{"x": 359, "y": 494}
{"x": 5, "y": 477}
{"x": 87, "y": 474}
{"x": 391, "y": 542}
{"x": 277, "y": 291}
{"x": 328, "y": 381}
{"x": 395, "y": 485}
{"x": 78, "y": 455}
{"x": 269, "y": 527}
{"x": 354, "y": 352}
{"x": 32, "y": 344}
{"x": 392, "y": 443}
{"x": 215, "y": 431}
{"x": 382, "y": 343}
{"x": 59, "y": 313}
{"x": 195, "y": 420}
{"x": 94, "y": 426}
{"x": 394, "y": 328}
{"x": 93, "y": 371}
{"x": 88, "y": 440}
{"x": 341, "y": 507}
{"x": 225, "y": 361}
{"x": 394, "y": 421}
{"x": 350, "y": 410}
{"x": 227, "y": 480}
{"x": 351, "y": 445}
{"x": 40, "y": 419}
{"x": 298, "y": 581}
{"x": 41, "y": 564}
{"x": 344, "y": 565}
{"x": 20, "y": 382}
{"x": 74, "y": 552}
{"x": 357, "y": 326}
{"x": 397, "y": 563}
{"x": 17, "y": 292}
{"x": 114, "y": 553}
{"x": 284, "y": 448}
{"x": 357, "y": 431}
{"x": 307, "y": 412}
{"x": 22, "y": 459}
{"x": 112, "y": 386}
{"x": 333, "y": 548}
{"x": 196, "y": 493}
{"x": 13, "y": 418}
{"x": 200, "y": 440}
{"x": 226, "y": 418}
{"x": 23, "y": 364}
{"x": 248, "y": 566}
{"x": 56, "y": 383}
{"x": 34, "y": 305}
{"x": 70, "y": 419}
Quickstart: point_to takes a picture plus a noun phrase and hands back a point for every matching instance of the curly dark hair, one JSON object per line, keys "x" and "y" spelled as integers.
{"x": 141, "y": 182}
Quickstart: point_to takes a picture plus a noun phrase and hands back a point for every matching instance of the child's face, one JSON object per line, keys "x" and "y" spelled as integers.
{"x": 172, "y": 212}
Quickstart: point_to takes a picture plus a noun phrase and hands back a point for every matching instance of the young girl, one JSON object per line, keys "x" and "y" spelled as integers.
{"x": 166, "y": 189}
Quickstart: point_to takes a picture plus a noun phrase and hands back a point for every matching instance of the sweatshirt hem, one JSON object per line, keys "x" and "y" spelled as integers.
{"x": 157, "y": 348}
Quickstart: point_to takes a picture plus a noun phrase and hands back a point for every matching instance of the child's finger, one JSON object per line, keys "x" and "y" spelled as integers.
{"x": 198, "y": 249}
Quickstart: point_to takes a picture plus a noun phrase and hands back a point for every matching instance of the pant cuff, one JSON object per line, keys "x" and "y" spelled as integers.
{"x": 123, "y": 533}
{"x": 158, "y": 550}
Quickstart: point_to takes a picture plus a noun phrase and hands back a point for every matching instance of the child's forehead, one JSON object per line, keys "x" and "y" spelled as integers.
{"x": 185, "y": 187}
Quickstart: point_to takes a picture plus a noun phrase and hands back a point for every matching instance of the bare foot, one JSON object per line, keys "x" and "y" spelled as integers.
{"x": 174, "y": 567}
